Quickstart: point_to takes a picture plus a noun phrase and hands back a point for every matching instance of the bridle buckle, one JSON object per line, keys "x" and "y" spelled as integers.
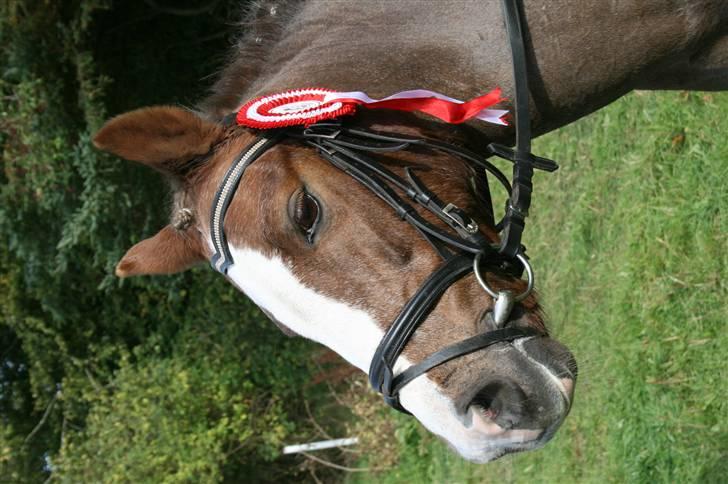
{"x": 323, "y": 130}
{"x": 461, "y": 219}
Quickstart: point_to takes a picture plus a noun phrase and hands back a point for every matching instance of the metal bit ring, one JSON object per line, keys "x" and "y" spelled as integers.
{"x": 494, "y": 294}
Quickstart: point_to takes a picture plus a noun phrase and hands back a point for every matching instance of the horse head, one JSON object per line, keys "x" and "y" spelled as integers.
{"x": 327, "y": 260}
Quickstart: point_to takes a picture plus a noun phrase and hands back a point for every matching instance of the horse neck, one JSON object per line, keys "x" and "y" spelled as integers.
{"x": 580, "y": 59}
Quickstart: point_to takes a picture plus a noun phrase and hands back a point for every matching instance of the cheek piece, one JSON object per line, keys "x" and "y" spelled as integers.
{"x": 461, "y": 246}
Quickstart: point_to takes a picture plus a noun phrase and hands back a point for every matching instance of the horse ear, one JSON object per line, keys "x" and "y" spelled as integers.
{"x": 168, "y": 252}
{"x": 162, "y": 137}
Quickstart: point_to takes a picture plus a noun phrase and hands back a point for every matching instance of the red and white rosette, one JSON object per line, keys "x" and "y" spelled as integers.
{"x": 311, "y": 105}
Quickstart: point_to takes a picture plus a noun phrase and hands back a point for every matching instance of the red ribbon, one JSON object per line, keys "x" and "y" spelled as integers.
{"x": 448, "y": 111}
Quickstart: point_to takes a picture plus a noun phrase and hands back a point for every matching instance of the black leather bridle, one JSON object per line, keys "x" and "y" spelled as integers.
{"x": 461, "y": 248}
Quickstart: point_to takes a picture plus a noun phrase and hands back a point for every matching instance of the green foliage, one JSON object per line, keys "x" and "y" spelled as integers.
{"x": 101, "y": 379}
{"x": 175, "y": 419}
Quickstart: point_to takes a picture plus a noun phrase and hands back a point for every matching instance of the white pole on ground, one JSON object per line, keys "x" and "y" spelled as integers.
{"x": 323, "y": 444}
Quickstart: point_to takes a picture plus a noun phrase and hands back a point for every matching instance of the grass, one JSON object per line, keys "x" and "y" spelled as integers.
{"x": 628, "y": 239}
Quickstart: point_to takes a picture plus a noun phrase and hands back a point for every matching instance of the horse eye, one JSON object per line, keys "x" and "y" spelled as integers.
{"x": 306, "y": 214}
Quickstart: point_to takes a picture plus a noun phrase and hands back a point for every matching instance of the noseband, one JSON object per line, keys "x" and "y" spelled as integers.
{"x": 462, "y": 247}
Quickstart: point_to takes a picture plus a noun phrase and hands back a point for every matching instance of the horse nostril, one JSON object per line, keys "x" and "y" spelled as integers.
{"x": 501, "y": 401}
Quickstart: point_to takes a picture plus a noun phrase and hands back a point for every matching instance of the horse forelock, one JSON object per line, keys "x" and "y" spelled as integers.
{"x": 262, "y": 24}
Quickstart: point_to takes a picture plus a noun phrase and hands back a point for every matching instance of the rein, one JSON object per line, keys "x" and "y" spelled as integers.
{"x": 461, "y": 248}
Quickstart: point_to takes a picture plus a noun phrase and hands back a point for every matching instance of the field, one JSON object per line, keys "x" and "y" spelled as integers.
{"x": 628, "y": 240}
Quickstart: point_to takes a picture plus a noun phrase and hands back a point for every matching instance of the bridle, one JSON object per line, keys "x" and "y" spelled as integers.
{"x": 462, "y": 248}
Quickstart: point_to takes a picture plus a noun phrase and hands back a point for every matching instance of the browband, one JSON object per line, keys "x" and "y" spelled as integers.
{"x": 222, "y": 259}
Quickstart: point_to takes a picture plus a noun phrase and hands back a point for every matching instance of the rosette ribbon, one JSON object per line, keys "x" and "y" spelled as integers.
{"x": 311, "y": 105}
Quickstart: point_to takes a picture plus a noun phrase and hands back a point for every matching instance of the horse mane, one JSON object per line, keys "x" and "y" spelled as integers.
{"x": 262, "y": 25}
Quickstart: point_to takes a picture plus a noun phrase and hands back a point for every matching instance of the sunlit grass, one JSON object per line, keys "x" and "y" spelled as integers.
{"x": 628, "y": 240}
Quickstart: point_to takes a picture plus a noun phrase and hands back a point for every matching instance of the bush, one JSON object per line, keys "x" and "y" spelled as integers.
{"x": 102, "y": 379}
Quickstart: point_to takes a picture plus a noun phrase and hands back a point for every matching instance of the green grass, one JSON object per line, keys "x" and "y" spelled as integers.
{"x": 628, "y": 240}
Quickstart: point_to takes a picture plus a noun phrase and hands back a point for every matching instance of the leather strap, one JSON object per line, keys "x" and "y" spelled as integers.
{"x": 456, "y": 350}
{"x": 410, "y": 317}
{"x": 519, "y": 202}
{"x": 222, "y": 259}
{"x": 370, "y": 173}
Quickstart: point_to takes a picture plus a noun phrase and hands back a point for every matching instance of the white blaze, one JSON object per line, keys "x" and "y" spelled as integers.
{"x": 271, "y": 284}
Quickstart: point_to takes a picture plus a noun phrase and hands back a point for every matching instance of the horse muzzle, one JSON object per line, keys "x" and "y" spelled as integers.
{"x": 507, "y": 398}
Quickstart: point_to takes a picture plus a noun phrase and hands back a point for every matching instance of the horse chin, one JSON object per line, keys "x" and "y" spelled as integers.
{"x": 489, "y": 455}
{"x": 518, "y": 406}
{"x": 509, "y": 442}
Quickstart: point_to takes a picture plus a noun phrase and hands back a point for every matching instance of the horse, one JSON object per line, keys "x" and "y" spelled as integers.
{"x": 327, "y": 260}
